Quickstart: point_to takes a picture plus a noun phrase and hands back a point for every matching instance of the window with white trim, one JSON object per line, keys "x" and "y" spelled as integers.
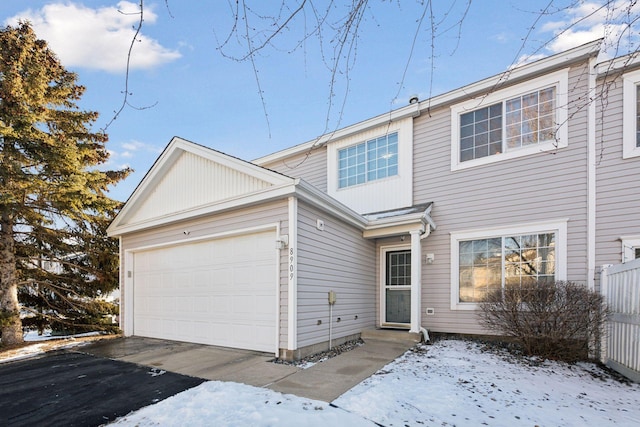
{"x": 483, "y": 262}
{"x": 501, "y": 262}
{"x": 528, "y": 119}
{"x": 631, "y": 115}
{"x": 630, "y": 248}
{"x": 368, "y": 161}
{"x": 513, "y": 122}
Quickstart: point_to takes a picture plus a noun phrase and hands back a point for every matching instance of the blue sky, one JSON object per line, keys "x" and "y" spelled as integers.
{"x": 182, "y": 85}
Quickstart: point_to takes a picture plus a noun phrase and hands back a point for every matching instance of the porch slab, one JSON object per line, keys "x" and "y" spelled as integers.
{"x": 328, "y": 380}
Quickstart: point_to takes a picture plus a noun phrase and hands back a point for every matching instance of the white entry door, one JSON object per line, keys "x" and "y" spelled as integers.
{"x": 218, "y": 292}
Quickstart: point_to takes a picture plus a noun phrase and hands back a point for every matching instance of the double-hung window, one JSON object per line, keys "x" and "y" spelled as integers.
{"x": 509, "y": 123}
{"x": 368, "y": 161}
{"x": 487, "y": 262}
{"x": 631, "y": 115}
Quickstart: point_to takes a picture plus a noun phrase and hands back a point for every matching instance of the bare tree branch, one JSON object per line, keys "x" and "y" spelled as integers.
{"x": 126, "y": 93}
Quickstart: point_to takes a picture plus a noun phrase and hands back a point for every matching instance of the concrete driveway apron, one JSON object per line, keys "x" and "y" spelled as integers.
{"x": 324, "y": 381}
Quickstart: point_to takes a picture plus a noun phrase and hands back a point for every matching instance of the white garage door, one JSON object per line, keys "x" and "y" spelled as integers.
{"x": 219, "y": 292}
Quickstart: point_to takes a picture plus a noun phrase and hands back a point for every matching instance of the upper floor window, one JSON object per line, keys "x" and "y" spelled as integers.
{"x": 631, "y": 115}
{"x": 368, "y": 161}
{"x": 517, "y": 121}
{"x": 370, "y": 168}
{"x": 528, "y": 119}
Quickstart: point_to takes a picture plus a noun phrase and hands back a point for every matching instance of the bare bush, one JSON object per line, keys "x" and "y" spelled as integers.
{"x": 555, "y": 320}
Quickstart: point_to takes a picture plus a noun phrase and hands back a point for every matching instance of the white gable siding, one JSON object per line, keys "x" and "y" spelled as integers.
{"x": 274, "y": 212}
{"x": 311, "y": 166}
{"x": 618, "y": 179}
{"x": 534, "y": 188}
{"x": 194, "y": 181}
{"x": 337, "y": 259}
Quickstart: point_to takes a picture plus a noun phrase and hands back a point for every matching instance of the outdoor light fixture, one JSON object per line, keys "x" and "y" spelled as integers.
{"x": 282, "y": 242}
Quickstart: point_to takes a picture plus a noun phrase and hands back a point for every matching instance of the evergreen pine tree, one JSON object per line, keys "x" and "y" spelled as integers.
{"x": 54, "y": 254}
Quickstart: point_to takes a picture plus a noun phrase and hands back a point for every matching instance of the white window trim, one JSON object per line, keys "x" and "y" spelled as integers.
{"x": 629, "y": 83}
{"x": 557, "y": 226}
{"x": 560, "y": 79}
{"x": 381, "y": 194}
{"x": 629, "y": 244}
{"x": 366, "y": 160}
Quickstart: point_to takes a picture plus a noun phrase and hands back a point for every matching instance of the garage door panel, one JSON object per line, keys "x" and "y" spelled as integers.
{"x": 219, "y": 292}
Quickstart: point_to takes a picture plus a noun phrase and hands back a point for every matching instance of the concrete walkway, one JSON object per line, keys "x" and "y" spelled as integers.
{"x": 328, "y": 380}
{"x": 324, "y": 381}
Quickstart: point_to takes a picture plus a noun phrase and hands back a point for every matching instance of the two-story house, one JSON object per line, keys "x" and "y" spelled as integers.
{"x": 405, "y": 220}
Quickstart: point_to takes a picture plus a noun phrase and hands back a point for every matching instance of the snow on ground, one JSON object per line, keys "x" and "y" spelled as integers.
{"x": 448, "y": 383}
{"x": 37, "y": 344}
{"x": 216, "y": 403}
{"x": 32, "y": 336}
{"x": 455, "y": 383}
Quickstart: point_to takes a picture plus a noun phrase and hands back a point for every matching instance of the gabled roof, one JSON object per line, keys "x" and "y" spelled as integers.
{"x": 189, "y": 178}
{"x": 508, "y": 77}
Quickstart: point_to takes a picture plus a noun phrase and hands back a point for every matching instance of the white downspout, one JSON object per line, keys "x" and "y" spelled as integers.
{"x": 416, "y": 277}
{"x": 591, "y": 177}
{"x": 292, "y": 276}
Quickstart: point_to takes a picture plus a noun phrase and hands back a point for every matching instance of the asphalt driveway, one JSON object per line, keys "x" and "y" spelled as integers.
{"x": 76, "y": 389}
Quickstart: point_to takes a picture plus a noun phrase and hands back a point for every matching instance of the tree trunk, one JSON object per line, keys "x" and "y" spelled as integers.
{"x": 10, "y": 323}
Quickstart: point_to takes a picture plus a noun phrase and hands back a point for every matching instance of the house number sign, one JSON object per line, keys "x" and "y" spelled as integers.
{"x": 291, "y": 264}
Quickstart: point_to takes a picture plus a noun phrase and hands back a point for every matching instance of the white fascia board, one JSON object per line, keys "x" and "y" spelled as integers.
{"x": 396, "y": 225}
{"x": 394, "y": 230}
{"x": 262, "y": 196}
{"x": 309, "y": 193}
{"x": 232, "y": 162}
{"x": 412, "y": 110}
{"x": 158, "y": 168}
{"x": 545, "y": 65}
{"x": 395, "y": 220}
{"x": 384, "y": 226}
{"x": 616, "y": 65}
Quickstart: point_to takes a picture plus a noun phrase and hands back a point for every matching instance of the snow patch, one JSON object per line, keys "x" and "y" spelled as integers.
{"x": 448, "y": 383}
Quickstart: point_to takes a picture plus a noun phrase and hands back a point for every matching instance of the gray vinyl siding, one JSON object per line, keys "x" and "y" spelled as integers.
{"x": 618, "y": 180}
{"x": 534, "y": 188}
{"x": 337, "y": 259}
{"x": 270, "y": 213}
{"x": 311, "y": 166}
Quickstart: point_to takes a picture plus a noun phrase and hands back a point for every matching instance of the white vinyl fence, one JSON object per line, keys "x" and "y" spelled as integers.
{"x": 620, "y": 285}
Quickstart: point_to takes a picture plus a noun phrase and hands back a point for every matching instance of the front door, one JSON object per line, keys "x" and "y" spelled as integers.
{"x": 396, "y": 298}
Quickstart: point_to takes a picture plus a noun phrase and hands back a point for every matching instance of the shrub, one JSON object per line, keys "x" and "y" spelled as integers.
{"x": 554, "y": 320}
